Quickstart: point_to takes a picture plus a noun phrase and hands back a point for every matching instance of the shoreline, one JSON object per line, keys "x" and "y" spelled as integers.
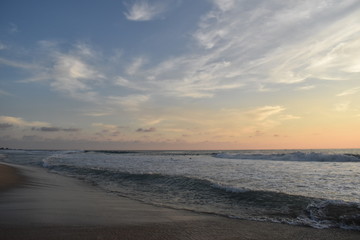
{"x": 37, "y": 204}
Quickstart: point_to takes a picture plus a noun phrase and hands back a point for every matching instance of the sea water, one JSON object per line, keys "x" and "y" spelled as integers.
{"x": 314, "y": 188}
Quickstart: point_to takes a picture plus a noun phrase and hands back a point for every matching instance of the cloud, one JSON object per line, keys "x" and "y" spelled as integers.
{"x": 195, "y": 76}
{"x": 123, "y": 82}
{"x": 306, "y": 87}
{"x": 80, "y": 72}
{"x": 10, "y": 122}
{"x": 97, "y": 114}
{"x": 262, "y": 113}
{"x": 130, "y": 102}
{"x": 342, "y": 106}
{"x": 70, "y": 67}
{"x": 18, "y": 64}
{"x": 143, "y": 10}
{"x": 349, "y": 92}
{"x": 107, "y": 130}
{"x": 5, "y": 126}
{"x": 2, "y": 46}
{"x": 73, "y": 72}
{"x": 55, "y": 129}
{"x": 232, "y": 54}
{"x": 225, "y": 5}
{"x": 106, "y": 126}
{"x": 263, "y": 88}
{"x": 13, "y": 28}
{"x": 16, "y": 121}
{"x": 135, "y": 66}
{"x": 265, "y": 118}
{"x": 289, "y": 117}
{"x": 146, "y": 130}
{"x": 4, "y": 93}
{"x": 73, "y": 76}
{"x": 252, "y": 44}
{"x": 290, "y": 48}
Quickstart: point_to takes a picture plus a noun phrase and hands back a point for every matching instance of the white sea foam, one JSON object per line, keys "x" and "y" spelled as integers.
{"x": 334, "y": 213}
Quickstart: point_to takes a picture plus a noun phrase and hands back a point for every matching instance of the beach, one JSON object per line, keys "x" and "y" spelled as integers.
{"x": 36, "y": 204}
{"x": 9, "y": 177}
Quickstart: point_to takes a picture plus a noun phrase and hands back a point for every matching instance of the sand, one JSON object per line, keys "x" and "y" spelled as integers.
{"x": 9, "y": 177}
{"x": 35, "y": 204}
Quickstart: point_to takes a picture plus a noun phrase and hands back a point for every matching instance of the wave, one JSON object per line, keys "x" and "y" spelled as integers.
{"x": 294, "y": 156}
{"x": 332, "y": 213}
{"x": 110, "y": 151}
{"x": 206, "y": 195}
{"x": 156, "y": 152}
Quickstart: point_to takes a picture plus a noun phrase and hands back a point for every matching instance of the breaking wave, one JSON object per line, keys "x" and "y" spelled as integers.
{"x": 204, "y": 195}
{"x": 294, "y": 156}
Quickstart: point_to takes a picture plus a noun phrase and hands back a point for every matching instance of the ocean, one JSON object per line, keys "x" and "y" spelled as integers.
{"x": 317, "y": 188}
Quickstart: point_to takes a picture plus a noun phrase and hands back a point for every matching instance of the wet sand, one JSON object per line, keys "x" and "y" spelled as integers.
{"x": 9, "y": 177}
{"x": 35, "y": 204}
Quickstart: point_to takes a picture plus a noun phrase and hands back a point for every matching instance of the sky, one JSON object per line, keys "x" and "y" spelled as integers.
{"x": 179, "y": 74}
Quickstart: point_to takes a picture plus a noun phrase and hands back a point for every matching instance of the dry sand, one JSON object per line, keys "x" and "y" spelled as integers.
{"x": 50, "y": 206}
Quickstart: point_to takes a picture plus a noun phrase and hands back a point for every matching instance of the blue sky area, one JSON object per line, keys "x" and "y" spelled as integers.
{"x": 179, "y": 74}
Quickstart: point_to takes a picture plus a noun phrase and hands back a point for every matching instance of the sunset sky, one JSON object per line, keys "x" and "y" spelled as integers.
{"x": 179, "y": 74}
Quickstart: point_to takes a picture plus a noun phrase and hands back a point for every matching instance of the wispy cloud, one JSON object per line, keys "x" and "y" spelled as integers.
{"x": 195, "y": 76}
{"x": 349, "y": 92}
{"x": 55, "y": 129}
{"x": 71, "y": 75}
{"x": 4, "y": 93}
{"x": 13, "y": 28}
{"x": 107, "y": 131}
{"x": 18, "y": 64}
{"x": 262, "y": 113}
{"x": 263, "y": 88}
{"x": 73, "y": 72}
{"x": 106, "y": 126}
{"x": 225, "y": 5}
{"x": 123, "y": 82}
{"x": 16, "y": 121}
{"x": 289, "y": 49}
{"x": 7, "y": 122}
{"x": 144, "y": 10}
{"x": 5, "y": 126}
{"x": 306, "y": 87}
{"x": 97, "y": 113}
{"x": 266, "y": 118}
{"x": 79, "y": 73}
{"x": 342, "y": 106}
{"x": 289, "y": 117}
{"x": 146, "y": 130}
{"x": 232, "y": 54}
{"x": 130, "y": 103}
{"x": 3, "y": 46}
{"x": 135, "y": 66}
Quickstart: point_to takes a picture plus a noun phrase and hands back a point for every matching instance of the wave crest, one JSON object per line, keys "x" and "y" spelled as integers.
{"x": 332, "y": 213}
{"x": 295, "y": 156}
